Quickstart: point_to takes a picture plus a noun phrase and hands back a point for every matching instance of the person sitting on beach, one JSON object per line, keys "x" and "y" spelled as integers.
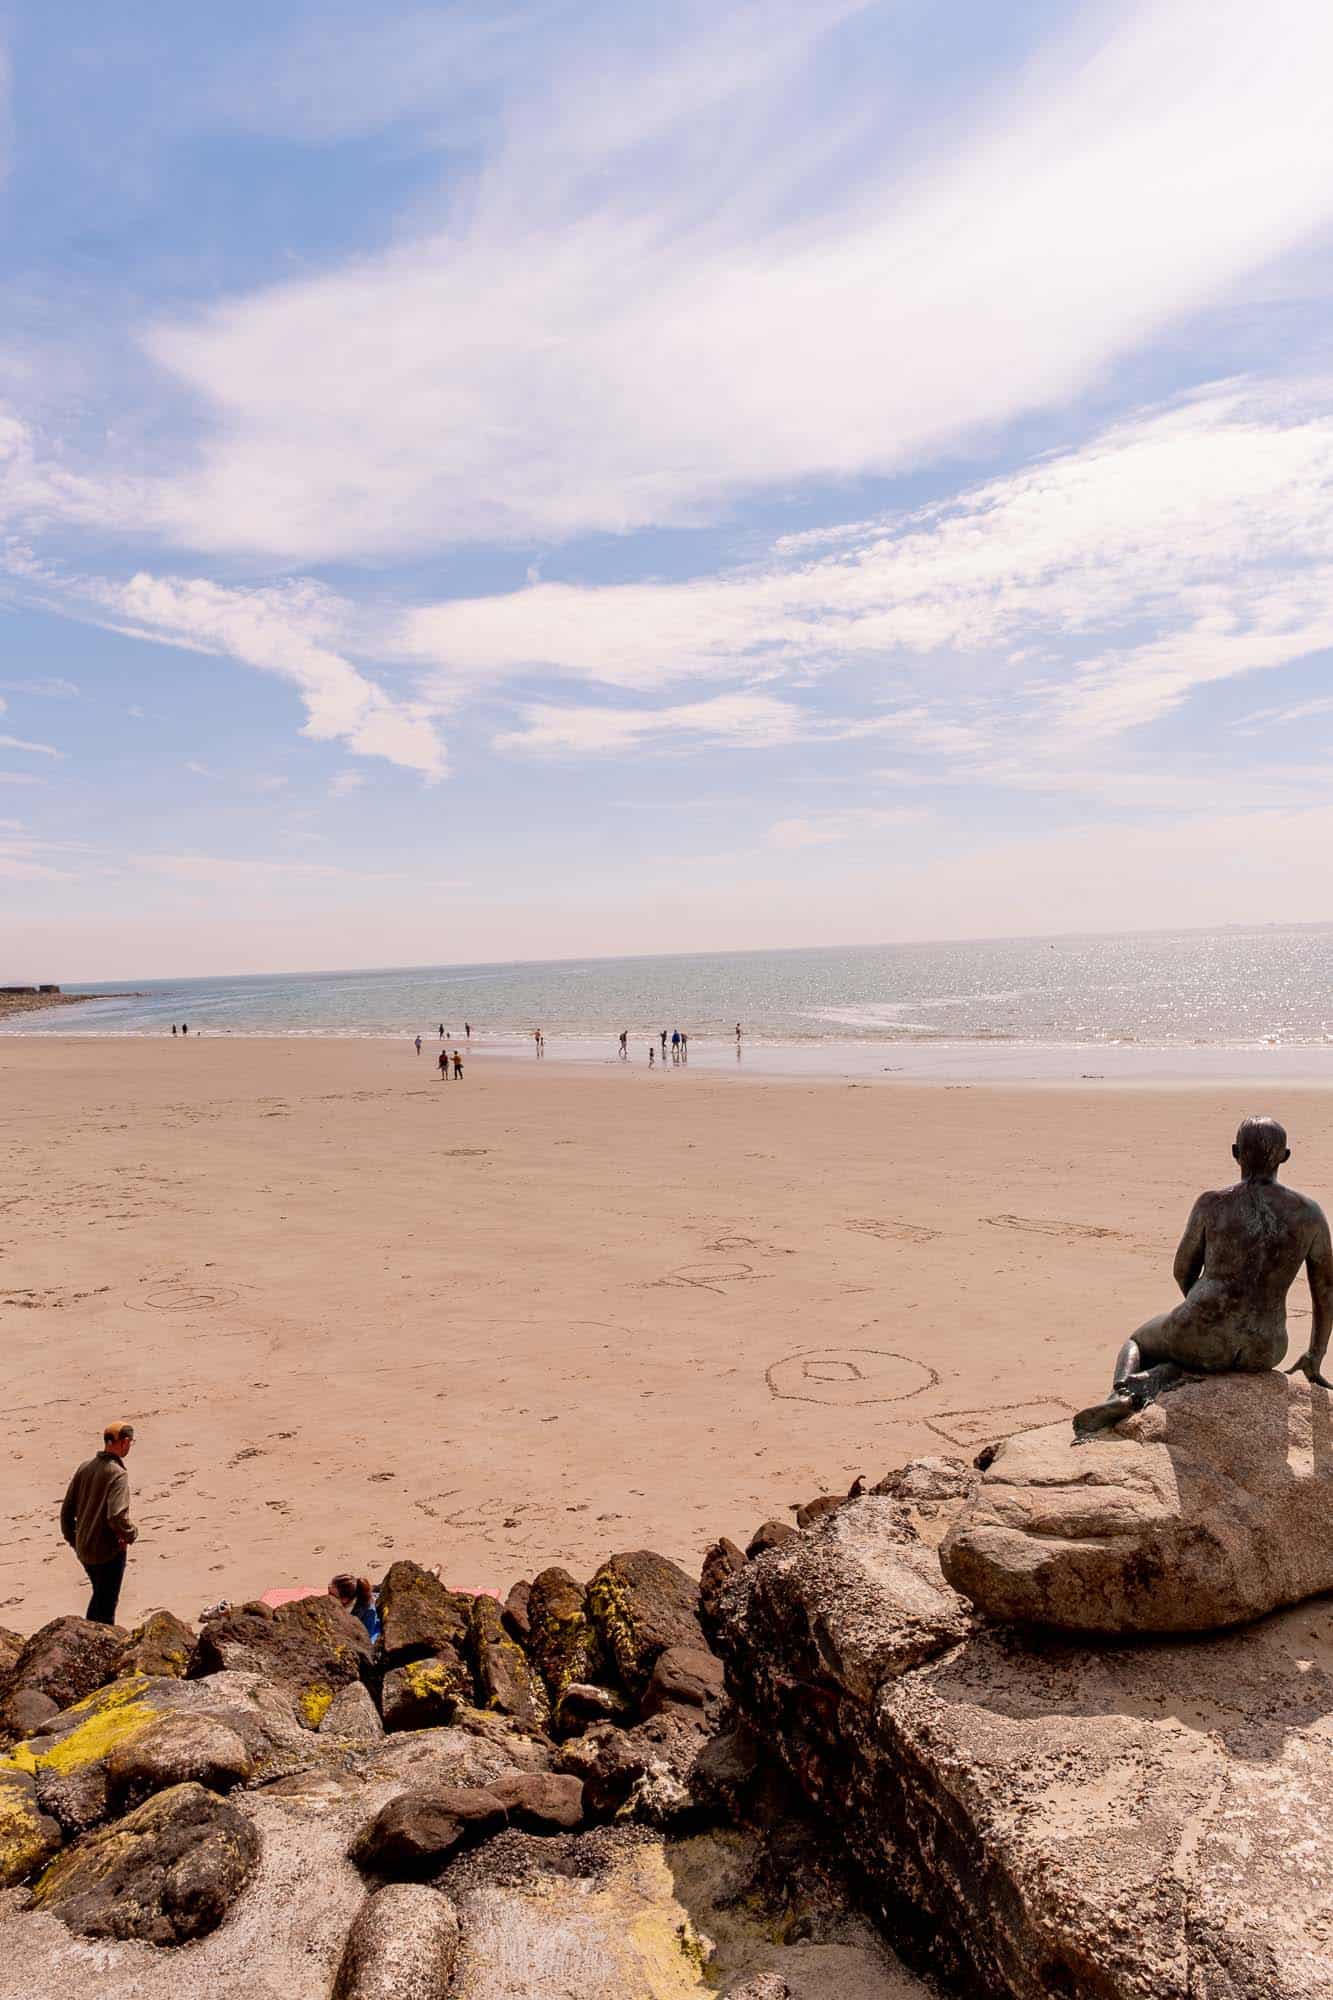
{"x": 1242, "y": 1249}
{"x": 355, "y": 1595}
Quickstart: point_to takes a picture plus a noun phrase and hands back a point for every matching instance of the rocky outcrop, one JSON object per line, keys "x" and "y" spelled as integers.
{"x": 423, "y": 1694}
{"x": 420, "y": 1616}
{"x": 541, "y": 1801}
{"x": 1210, "y": 1507}
{"x": 352, "y": 1717}
{"x": 167, "y": 1873}
{"x": 402, "y": 1946}
{"x": 177, "y": 1750}
{"x": 506, "y": 1679}
{"x": 1039, "y": 1817}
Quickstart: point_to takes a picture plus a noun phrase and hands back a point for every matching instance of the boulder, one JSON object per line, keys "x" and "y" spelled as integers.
{"x": 1212, "y": 1506}
{"x": 506, "y": 1679}
{"x": 924, "y": 1481}
{"x": 161, "y": 1646}
{"x": 312, "y": 1647}
{"x": 763, "y": 1986}
{"x": 424, "y": 1693}
{"x": 723, "y": 1561}
{"x": 516, "y": 1611}
{"x": 541, "y": 1801}
{"x": 167, "y": 1873}
{"x": 414, "y": 1835}
{"x": 688, "y": 1674}
{"x": 77, "y": 1800}
{"x": 402, "y": 1946}
{"x": 28, "y": 1835}
{"x": 352, "y": 1716}
{"x": 426, "y": 1759}
{"x": 561, "y": 1639}
{"x": 641, "y": 1603}
{"x": 816, "y": 1510}
{"x": 67, "y": 1659}
{"x": 11, "y": 1645}
{"x": 585, "y": 1702}
{"x": 420, "y": 1616}
{"x": 24, "y": 1712}
{"x": 176, "y": 1750}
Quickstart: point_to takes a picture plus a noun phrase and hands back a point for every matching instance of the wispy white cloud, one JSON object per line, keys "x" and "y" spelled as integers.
{"x": 343, "y": 783}
{"x": 54, "y": 687}
{"x": 220, "y": 869}
{"x": 199, "y": 770}
{"x": 751, "y": 721}
{"x": 37, "y": 749}
{"x": 843, "y": 307}
{"x": 17, "y": 778}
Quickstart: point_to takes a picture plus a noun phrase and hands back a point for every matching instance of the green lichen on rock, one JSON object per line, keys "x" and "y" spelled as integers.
{"x": 641, "y": 1604}
{"x": 28, "y": 1838}
{"x": 562, "y": 1640}
{"x": 421, "y": 1694}
{"x": 314, "y": 1703}
{"x": 89, "y": 1730}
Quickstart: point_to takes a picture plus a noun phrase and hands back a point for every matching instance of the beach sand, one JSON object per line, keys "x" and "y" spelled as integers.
{"x": 550, "y": 1312}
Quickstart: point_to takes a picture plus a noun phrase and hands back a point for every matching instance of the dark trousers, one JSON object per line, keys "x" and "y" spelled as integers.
{"x": 106, "y": 1579}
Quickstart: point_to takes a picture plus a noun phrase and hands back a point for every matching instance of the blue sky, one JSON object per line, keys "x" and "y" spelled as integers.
{"x": 486, "y": 482}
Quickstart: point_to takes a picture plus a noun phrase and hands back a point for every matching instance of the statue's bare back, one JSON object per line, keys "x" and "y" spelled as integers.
{"x": 1242, "y": 1249}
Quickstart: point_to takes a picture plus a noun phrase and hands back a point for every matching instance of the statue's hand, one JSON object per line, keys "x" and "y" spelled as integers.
{"x": 1306, "y": 1366}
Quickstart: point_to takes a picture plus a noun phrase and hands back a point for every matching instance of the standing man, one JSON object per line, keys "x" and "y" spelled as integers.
{"x": 95, "y": 1520}
{"x": 444, "y": 1065}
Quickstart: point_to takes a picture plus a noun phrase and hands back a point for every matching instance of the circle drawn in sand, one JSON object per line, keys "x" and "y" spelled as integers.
{"x": 185, "y": 1298}
{"x": 844, "y": 1376}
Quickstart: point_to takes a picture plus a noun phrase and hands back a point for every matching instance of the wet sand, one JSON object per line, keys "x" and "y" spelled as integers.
{"x": 552, "y": 1311}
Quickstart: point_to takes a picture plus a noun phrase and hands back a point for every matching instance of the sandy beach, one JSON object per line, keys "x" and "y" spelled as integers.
{"x": 550, "y": 1311}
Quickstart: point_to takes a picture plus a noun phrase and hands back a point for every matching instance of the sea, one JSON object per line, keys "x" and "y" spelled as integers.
{"x": 1203, "y": 1004}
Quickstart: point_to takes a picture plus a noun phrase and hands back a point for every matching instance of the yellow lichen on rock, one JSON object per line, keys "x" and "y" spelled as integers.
{"x": 109, "y": 1717}
{"x": 314, "y": 1703}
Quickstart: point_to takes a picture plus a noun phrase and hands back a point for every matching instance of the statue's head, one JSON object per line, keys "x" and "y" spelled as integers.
{"x": 1261, "y": 1146}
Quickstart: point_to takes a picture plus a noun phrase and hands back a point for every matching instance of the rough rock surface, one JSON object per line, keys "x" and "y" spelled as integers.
{"x": 641, "y": 1603}
{"x": 28, "y": 1835}
{"x": 644, "y": 1772}
{"x": 1046, "y": 1818}
{"x": 506, "y": 1679}
{"x": 424, "y": 1693}
{"x": 561, "y": 1639}
{"x": 176, "y": 1750}
{"x": 162, "y": 1645}
{"x": 23, "y": 1712}
{"x": 688, "y": 1674}
{"x": 420, "y": 1615}
{"x": 402, "y": 1946}
{"x": 415, "y": 1833}
{"x": 541, "y": 1801}
{"x": 1211, "y": 1506}
{"x": 67, "y": 1659}
{"x": 312, "y": 1646}
{"x": 166, "y": 1873}
{"x": 352, "y": 1716}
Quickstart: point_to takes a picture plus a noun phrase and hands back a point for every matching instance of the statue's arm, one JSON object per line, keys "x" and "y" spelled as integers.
{"x": 1319, "y": 1271}
{"x": 1189, "y": 1257}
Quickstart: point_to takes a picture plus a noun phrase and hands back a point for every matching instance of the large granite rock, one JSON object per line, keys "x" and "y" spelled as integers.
{"x": 402, "y": 1946}
{"x": 167, "y": 1873}
{"x": 1041, "y": 1817}
{"x": 1211, "y": 1506}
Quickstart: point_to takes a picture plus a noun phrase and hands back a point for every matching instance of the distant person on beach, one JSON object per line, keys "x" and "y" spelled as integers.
{"x": 418, "y": 1045}
{"x": 652, "y": 1055}
{"x": 355, "y": 1595}
{"x": 185, "y": 1027}
{"x": 624, "y": 1045}
{"x": 442, "y": 1031}
{"x": 467, "y": 1030}
{"x": 444, "y": 1065}
{"x": 95, "y": 1520}
{"x": 684, "y": 1047}
{"x": 675, "y": 1045}
{"x": 664, "y": 1045}
{"x": 458, "y": 1067}
{"x": 173, "y": 1027}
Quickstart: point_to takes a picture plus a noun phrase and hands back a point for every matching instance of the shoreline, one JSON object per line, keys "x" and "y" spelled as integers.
{"x": 959, "y": 1061}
